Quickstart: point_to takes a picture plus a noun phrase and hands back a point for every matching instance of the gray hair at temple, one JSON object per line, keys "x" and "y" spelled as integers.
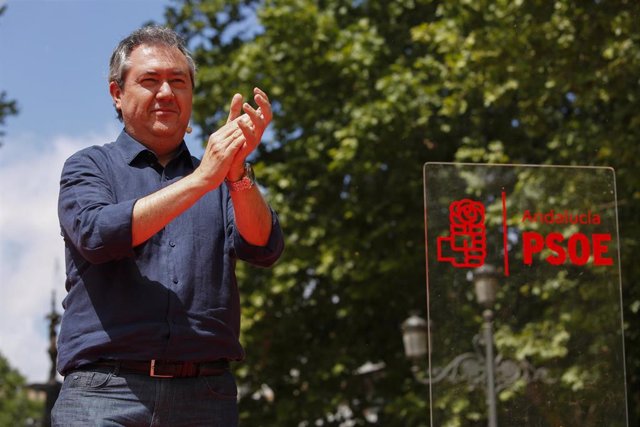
{"x": 149, "y": 35}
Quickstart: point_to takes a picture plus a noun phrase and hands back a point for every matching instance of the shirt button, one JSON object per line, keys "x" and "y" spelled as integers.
{"x": 172, "y": 244}
{"x": 175, "y": 280}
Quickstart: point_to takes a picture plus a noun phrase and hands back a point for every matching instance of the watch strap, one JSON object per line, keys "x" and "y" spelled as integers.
{"x": 246, "y": 182}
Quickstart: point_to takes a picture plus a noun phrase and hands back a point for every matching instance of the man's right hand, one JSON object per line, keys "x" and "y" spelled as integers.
{"x": 222, "y": 147}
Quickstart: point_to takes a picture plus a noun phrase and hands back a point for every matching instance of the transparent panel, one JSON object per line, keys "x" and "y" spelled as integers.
{"x": 526, "y": 258}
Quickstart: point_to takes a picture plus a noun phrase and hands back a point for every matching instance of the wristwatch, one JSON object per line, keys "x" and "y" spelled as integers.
{"x": 247, "y": 181}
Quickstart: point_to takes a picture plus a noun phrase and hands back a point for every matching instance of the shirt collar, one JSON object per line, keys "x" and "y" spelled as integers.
{"x": 131, "y": 149}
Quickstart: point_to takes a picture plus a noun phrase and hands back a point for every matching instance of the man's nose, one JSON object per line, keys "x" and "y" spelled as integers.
{"x": 165, "y": 90}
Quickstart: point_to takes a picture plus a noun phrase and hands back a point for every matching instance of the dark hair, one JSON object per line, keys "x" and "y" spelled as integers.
{"x": 149, "y": 35}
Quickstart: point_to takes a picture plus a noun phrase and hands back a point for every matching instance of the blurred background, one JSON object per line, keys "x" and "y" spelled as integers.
{"x": 364, "y": 93}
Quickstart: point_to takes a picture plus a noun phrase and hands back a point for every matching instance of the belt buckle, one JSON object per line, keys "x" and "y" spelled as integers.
{"x": 152, "y": 371}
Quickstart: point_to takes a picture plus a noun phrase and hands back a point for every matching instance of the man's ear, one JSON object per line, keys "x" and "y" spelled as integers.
{"x": 116, "y": 94}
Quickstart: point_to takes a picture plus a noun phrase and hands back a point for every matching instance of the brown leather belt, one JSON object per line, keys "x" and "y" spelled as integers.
{"x": 164, "y": 368}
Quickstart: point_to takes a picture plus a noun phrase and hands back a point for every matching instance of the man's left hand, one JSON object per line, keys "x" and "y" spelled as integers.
{"x": 252, "y": 124}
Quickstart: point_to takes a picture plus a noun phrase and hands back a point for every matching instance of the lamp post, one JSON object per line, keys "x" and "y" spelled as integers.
{"x": 480, "y": 368}
{"x": 485, "y": 282}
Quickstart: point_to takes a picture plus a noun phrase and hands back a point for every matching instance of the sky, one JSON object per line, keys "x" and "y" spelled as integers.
{"x": 54, "y": 62}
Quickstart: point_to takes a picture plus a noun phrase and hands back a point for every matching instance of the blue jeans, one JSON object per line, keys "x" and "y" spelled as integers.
{"x": 103, "y": 397}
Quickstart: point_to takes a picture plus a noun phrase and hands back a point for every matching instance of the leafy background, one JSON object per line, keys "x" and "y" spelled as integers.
{"x": 364, "y": 93}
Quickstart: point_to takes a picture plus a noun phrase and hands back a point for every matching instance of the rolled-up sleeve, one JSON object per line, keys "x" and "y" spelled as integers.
{"x": 92, "y": 220}
{"x": 262, "y": 256}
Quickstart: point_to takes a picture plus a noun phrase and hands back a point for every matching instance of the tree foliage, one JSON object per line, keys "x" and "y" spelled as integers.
{"x": 16, "y": 409}
{"x": 364, "y": 93}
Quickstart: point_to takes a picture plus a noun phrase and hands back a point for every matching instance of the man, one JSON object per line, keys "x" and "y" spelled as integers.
{"x": 152, "y": 315}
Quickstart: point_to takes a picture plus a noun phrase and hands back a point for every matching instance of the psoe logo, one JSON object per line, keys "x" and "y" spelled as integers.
{"x": 466, "y": 244}
{"x": 467, "y": 240}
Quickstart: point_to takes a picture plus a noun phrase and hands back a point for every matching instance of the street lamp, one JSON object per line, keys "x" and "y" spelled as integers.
{"x": 50, "y": 389}
{"x": 414, "y": 337}
{"x": 493, "y": 372}
{"x": 485, "y": 283}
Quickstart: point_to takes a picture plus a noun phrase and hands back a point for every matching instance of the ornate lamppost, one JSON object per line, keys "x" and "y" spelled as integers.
{"x": 51, "y": 388}
{"x": 479, "y": 368}
{"x": 485, "y": 281}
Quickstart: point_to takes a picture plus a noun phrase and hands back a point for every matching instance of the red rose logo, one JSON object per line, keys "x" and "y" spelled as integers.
{"x": 467, "y": 235}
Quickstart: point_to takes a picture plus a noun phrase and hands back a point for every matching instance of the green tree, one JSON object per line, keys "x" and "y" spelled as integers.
{"x": 364, "y": 93}
{"x": 16, "y": 408}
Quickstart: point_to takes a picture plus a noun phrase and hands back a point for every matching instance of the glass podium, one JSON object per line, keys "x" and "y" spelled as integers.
{"x": 524, "y": 310}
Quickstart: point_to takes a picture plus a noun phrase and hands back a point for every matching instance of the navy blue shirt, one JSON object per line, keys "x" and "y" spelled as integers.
{"x": 174, "y": 297}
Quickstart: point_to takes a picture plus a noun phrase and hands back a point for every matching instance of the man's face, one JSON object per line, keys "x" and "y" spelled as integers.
{"x": 156, "y": 98}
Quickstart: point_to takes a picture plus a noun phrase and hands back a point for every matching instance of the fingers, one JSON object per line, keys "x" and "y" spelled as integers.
{"x": 235, "y": 142}
{"x": 220, "y": 152}
{"x": 243, "y": 132}
{"x": 234, "y": 137}
{"x": 222, "y": 148}
{"x": 258, "y": 91}
{"x": 235, "y": 108}
{"x": 260, "y": 117}
{"x": 224, "y": 132}
{"x": 224, "y": 138}
{"x": 249, "y": 137}
{"x": 248, "y": 132}
{"x": 262, "y": 100}
{"x": 247, "y": 129}
{"x": 256, "y": 116}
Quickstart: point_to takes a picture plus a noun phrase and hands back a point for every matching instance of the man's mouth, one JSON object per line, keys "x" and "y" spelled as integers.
{"x": 164, "y": 110}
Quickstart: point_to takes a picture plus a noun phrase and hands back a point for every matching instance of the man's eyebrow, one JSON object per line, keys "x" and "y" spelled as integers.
{"x": 175, "y": 72}
{"x": 179, "y": 73}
